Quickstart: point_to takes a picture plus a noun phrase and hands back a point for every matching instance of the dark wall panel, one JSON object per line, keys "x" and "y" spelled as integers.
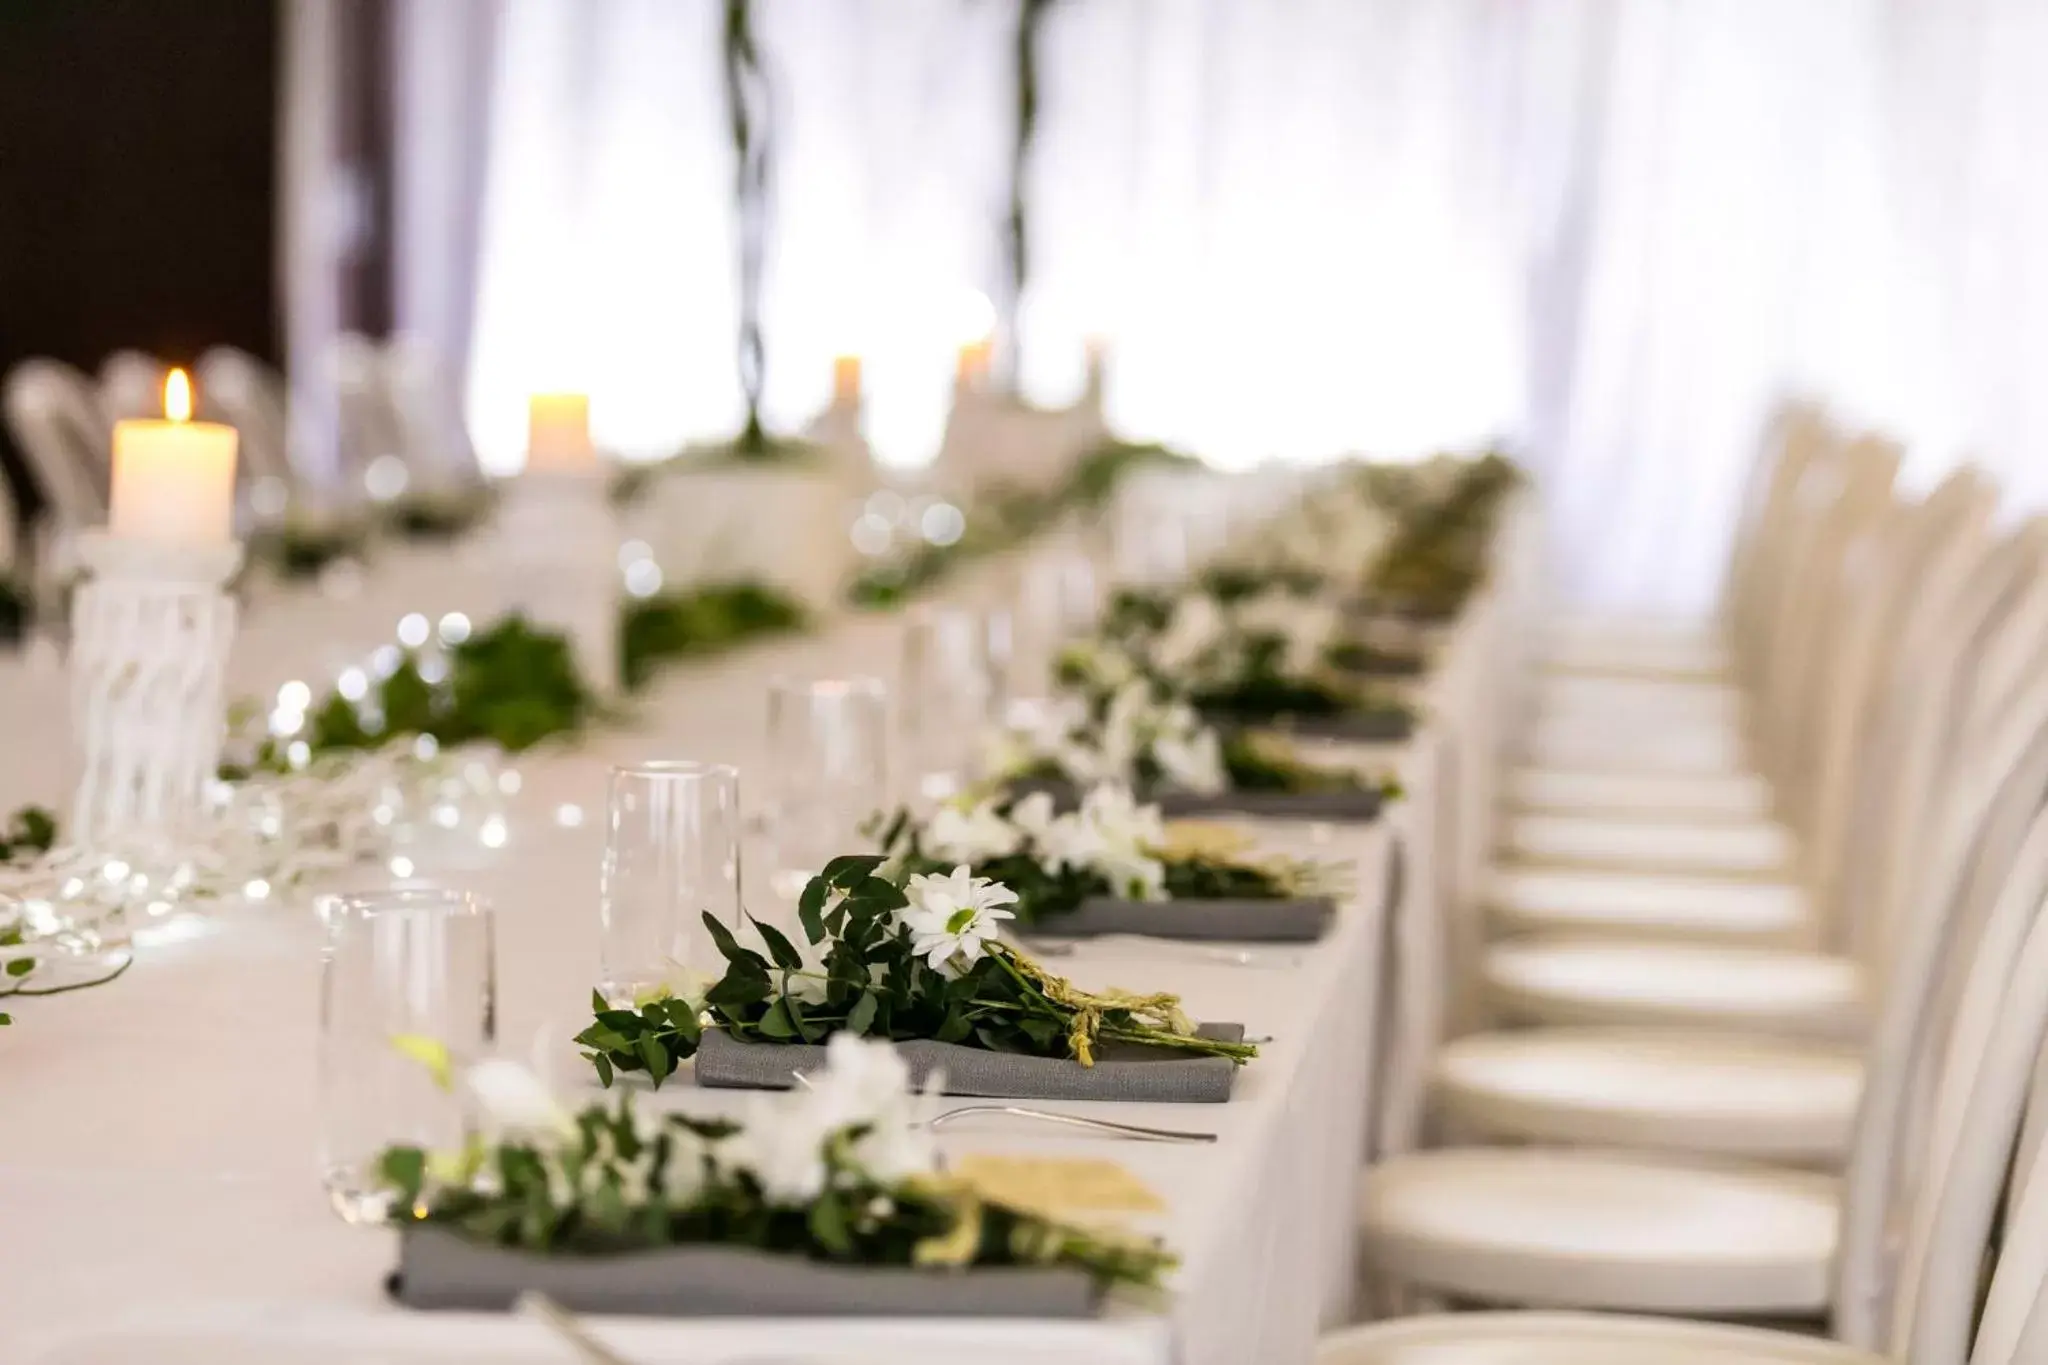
{"x": 138, "y": 155}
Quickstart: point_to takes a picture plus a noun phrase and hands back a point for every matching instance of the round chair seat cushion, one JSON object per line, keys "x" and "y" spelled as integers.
{"x": 1715, "y": 848}
{"x": 1622, "y": 744}
{"x": 1688, "y": 796}
{"x": 1575, "y": 1339}
{"x": 1586, "y": 1229}
{"x": 1639, "y": 904}
{"x": 1575, "y": 979}
{"x": 1663, "y": 1090}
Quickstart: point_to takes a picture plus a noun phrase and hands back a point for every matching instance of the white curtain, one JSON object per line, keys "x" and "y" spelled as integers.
{"x": 1608, "y": 232}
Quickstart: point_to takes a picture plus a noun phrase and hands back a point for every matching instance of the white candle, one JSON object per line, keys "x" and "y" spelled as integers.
{"x": 974, "y": 358}
{"x": 846, "y": 381}
{"x": 173, "y": 480}
{"x": 558, "y": 431}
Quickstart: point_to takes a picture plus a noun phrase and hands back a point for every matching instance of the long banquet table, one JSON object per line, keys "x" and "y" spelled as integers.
{"x": 158, "y": 1195}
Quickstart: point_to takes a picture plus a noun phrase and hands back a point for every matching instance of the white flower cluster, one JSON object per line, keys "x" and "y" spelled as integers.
{"x": 1111, "y": 834}
{"x": 1339, "y": 530}
{"x": 1136, "y": 726}
{"x": 864, "y": 1089}
{"x": 952, "y": 918}
{"x": 1204, "y": 641}
{"x": 861, "y": 1101}
{"x": 1306, "y": 623}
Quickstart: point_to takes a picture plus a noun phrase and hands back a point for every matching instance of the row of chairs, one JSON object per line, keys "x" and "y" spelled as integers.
{"x": 394, "y": 424}
{"x": 1764, "y": 966}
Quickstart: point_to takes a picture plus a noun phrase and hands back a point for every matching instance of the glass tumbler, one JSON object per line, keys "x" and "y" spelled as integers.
{"x": 671, "y": 854}
{"x": 828, "y": 746}
{"x": 954, "y": 688}
{"x": 409, "y": 973}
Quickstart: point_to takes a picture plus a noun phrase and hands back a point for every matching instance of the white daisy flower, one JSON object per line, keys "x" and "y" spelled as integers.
{"x": 971, "y": 835}
{"x": 952, "y": 917}
{"x": 1195, "y": 628}
{"x": 516, "y": 1103}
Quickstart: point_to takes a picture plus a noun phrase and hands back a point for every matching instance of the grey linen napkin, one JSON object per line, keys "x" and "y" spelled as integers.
{"x": 1122, "y": 1072}
{"x": 1295, "y": 920}
{"x": 438, "y": 1269}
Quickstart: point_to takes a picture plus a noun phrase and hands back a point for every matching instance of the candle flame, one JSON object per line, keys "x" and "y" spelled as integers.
{"x": 178, "y": 397}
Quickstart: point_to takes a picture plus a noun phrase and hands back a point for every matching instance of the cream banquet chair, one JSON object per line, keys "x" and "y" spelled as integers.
{"x": 426, "y": 412}
{"x": 57, "y": 426}
{"x": 1627, "y": 723}
{"x": 1616, "y": 947}
{"x": 1705, "y": 653}
{"x": 1710, "y": 1092}
{"x": 1574, "y": 1229}
{"x": 132, "y": 385}
{"x": 237, "y": 388}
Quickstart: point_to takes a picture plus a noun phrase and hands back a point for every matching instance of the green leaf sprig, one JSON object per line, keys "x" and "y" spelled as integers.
{"x": 513, "y": 685}
{"x": 871, "y": 981}
{"x": 700, "y": 622}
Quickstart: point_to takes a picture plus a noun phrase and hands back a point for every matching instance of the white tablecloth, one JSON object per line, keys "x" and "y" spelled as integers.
{"x": 157, "y": 1135}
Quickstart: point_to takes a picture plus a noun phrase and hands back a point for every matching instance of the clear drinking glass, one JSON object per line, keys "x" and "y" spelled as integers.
{"x": 671, "y": 853}
{"x": 408, "y": 970}
{"x": 1057, "y": 603}
{"x": 954, "y": 687}
{"x": 828, "y": 755}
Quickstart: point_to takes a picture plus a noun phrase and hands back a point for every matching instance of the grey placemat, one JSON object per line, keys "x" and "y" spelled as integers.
{"x": 1357, "y": 804}
{"x": 1370, "y": 725}
{"x": 1122, "y": 1072}
{"x": 1244, "y": 920}
{"x": 1405, "y": 666}
{"x": 437, "y": 1269}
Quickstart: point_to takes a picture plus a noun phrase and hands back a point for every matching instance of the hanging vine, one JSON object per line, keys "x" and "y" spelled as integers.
{"x": 1016, "y": 234}
{"x": 749, "y": 105}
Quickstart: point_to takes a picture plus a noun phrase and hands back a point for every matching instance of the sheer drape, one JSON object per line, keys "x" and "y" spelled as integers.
{"x": 1611, "y": 232}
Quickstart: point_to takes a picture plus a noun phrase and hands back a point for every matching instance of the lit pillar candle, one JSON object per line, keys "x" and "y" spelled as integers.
{"x": 846, "y": 381}
{"x": 974, "y": 358}
{"x": 558, "y": 431}
{"x": 173, "y": 480}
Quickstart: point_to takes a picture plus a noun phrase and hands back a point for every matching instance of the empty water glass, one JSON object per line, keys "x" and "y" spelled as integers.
{"x": 408, "y": 996}
{"x": 671, "y": 855}
{"x": 828, "y": 753}
{"x": 954, "y": 688}
{"x": 1057, "y": 603}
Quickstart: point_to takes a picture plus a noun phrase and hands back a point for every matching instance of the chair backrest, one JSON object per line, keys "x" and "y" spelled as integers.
{"x": 1846, "y": 499}
{"x": 426, "y": 409}
{"x": 1982, "y": 1098}
{"x": 1907, "y": 629}
{"x": 237, "y": 388}
{"x": 1798, "y": 437}
{"x": 57, "y": 426}
{"x": 1911, "y": 572}
{"x": 9, "y": 515}
{"x": 2000, "y": 780}
{"x": 368, "y": 432}
{"x": 132, "y": 385}
{"x": 1966, "y": 607}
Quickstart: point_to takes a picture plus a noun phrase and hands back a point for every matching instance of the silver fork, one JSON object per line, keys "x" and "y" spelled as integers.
{"x": 1201, "y": 952}
{"x": 1135, "y": 1132}
{"x": 567, "y": 1328}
